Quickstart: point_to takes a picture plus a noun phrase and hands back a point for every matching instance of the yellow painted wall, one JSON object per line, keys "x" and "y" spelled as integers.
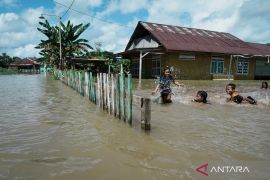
{"x": 198, "y": 68}
{"x": 251, "y": 70}
{"x": 189, "y": 69}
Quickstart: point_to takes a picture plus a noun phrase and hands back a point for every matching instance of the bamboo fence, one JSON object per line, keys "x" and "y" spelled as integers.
{"x": 110, "y": 92}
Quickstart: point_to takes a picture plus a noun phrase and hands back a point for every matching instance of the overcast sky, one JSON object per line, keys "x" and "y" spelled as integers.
{"x": 113, "y": 21}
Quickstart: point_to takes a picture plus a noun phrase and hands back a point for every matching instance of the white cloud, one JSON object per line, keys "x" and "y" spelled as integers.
{"x": 31, "y": 16}
{"x": 124, "y": 7}
{"x": 249, "y": 20}
{"x": 210, "y": 14}
{"x": 81, "y": 5}
{"x": 132, "y": 6}
{"x": 17, "y": 31}
{"x": 8, "y": 3}
{"x": 8, "y": 22}
{"x": 27, "y": 50}
{"x": 253, "y": 21}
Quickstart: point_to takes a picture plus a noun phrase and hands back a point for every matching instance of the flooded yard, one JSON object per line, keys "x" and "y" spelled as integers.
{"x": 48, "y": 131}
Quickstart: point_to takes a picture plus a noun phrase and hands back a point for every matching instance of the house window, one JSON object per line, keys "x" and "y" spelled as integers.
{"x": 135, "y": 66}
{"x": 156, "y": 66}
{"x": 242, "y": 66}
{"x": 187, "y": 57}
{"x": 217, "y": 65}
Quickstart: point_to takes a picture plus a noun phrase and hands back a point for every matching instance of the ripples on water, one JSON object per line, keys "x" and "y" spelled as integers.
{"x": 48, "y": 131}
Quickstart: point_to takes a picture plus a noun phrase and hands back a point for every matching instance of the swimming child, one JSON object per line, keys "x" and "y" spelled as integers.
{"x": 264, "y": 85}
{"x": 235, "y": 97}
{"x": 164, "y": 86}
{"x": 201, "y": 97}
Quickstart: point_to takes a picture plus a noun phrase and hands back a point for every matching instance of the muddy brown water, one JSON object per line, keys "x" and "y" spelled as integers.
{"x": 48, "y": 131}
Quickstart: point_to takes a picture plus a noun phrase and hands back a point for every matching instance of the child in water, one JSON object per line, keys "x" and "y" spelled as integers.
{"x": 164, "y": 86}
{"x": 235, "y": 97}
{"x": 201, "y": 97}
{"x": 264, "y": 85}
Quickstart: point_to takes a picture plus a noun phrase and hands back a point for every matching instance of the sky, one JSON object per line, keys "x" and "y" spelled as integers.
{"x": 112, "y": 22}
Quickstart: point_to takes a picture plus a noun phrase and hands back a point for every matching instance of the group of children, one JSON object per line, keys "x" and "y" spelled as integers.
{"x": 201, "y": 97}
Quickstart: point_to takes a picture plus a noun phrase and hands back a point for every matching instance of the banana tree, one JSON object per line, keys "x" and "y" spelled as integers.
{"x": 71, "y": 44}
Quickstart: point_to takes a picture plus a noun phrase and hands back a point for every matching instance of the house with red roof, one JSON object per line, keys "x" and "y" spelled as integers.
{"x": 194, "y": 53}
{"x": 26, "y": 65}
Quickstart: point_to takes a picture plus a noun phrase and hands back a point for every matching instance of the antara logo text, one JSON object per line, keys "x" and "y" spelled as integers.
{"x": 222, "y": 169}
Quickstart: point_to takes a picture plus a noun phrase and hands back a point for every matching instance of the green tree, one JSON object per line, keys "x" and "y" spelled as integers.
{"x": 71, "y": 44}
{"x": 5, "y": 60}
{"x": 50, "y": 46}
{"x": 116, "y": 65}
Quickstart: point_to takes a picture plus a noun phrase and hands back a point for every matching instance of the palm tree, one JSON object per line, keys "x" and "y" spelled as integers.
{"x": 70, "y": 39}
{"x": 70, "y": 42}
{"x": 50, "y": 47}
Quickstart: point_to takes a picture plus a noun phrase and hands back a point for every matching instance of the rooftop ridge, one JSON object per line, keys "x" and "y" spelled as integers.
{"x": 183, "y": 27}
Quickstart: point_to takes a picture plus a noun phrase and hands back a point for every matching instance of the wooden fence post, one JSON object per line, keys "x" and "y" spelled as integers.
{"x": 99, "y": 76}
{"x": 145, "y": 113}
{"x": 129, "y": 100}
{"x": 82, "y": 83}
{"x": 92, "y": 88}
{"x": 104, "y": 89}
{"x": 108, "y": 93}
{"x": 113, "y": 95}
{"x": 123, "y": 100}
{"x": 117, "y": 94}
{"x": 87, "y": 85}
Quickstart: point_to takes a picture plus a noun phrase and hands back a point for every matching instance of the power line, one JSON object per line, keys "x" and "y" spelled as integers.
{"x": 68, "y": 9}
{"x": 86, "y": 14}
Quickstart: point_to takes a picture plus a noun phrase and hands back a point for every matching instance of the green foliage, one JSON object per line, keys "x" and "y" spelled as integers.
{"x": 71, "y": 44}
{"x": 5, "y": 71}
{"x": 116, "y": 65}
{"x": 5, "y": 60}
{"x": 98, "y": 53}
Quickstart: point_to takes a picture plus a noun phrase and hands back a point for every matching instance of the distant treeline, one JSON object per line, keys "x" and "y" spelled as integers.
{"x": 5, "y": 60}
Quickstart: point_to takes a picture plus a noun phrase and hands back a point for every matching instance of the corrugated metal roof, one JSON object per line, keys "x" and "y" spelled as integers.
{"x": 263, "y": 48}
{"x": 25, "y": 62}
{"x": 176, "y": 38}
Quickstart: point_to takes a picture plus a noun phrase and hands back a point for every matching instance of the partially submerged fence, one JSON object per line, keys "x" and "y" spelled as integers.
{"x": 111, "y": 92}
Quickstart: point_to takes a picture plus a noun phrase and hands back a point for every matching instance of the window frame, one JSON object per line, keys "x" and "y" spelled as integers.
{"x": 157, "y": 69}
{"x": 242, "y": 60}
{"x": 135, "y": 66}
{"x": 217, "y": 59}
{"x": 187, "y": 57}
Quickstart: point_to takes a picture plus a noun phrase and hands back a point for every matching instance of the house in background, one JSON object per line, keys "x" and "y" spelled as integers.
{"x": 26, "y": 65}
{"x": 194, "y": 53}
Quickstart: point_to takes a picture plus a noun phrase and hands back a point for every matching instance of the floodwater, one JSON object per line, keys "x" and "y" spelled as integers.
{"x": 48, "y": 131}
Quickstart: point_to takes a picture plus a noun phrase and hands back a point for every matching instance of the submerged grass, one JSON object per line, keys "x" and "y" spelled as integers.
{"x": 6, "y": 71}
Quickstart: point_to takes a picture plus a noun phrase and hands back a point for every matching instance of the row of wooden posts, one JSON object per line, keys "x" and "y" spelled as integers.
{"x": 111, "y": 92}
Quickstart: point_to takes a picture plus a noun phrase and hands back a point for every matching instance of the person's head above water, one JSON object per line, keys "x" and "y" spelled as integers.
{"x": 264, "y": 85}
{"x": 201, "y": 97}
{"x": 166, "y": 71}
{"x": 230, "y": 88}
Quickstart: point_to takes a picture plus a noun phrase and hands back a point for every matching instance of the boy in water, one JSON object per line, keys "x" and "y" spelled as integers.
{"x": 235, "y": 97}
{"x": 264, "y": 85}
{"x": 164, "y": 86}
{"x": 201, "y": 97}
